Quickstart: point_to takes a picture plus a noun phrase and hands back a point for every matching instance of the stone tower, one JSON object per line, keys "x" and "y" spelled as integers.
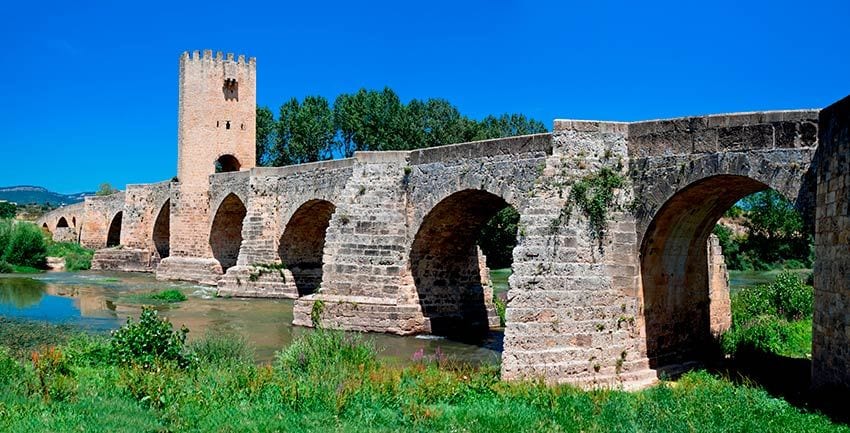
{"x": 216, "y": 132}
{"x": 216, "y": 115}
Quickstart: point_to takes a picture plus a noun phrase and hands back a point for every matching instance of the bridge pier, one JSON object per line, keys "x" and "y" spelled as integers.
{"x": 831, "y": 339}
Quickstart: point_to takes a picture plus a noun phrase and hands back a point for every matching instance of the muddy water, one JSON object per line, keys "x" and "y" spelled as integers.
{"x": 100, "y": 302}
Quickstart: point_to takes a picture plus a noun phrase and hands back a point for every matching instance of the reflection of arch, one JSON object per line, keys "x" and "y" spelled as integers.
{"x": 674, "y": 268}
{"x": 445, "y": 263}
{"x": 62, "y": 223}
{"x": 302, "y": 244}
{"x": 227, "y": 163}
{"x": 226, "y": 231}
{"x": 162, "y": 230}
{"x": 113, "y": 238}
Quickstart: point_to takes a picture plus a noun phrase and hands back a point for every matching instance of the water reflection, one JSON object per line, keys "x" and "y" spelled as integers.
{"x": 101, "y": 302}
{"x": 21, "y": 292}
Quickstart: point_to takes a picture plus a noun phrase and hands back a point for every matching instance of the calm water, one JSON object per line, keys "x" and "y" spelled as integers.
{"x": 100, "y": 301}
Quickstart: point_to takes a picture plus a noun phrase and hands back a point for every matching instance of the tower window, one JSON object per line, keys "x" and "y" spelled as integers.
{"x": 227, "y": 125}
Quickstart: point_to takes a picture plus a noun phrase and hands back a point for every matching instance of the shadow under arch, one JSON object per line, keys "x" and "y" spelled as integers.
{"x": 447, "y": 269}
{"x": 113, "y": 237}
{"x": 303, "y": 242}
{"x": 226, "y": 231}
{"x": 674, "y": 268}
{"x": 162, "y": 230}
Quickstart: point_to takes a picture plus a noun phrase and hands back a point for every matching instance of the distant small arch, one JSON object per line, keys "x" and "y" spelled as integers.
{"x": 113, "y": 238}
{"x": 45, "y": 227}
{"x": 62, "y": 223}
{"x": 74, "y": 221}
{"x": 227, "y": 163}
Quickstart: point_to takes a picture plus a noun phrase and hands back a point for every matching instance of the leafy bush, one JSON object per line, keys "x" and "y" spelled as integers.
{"x": 6, "y": 268}
{"x": 25, "y": 246}
{"x": 55, "y": 379}
{"x": 77, "y": 257}
{"x": 148, "y": 342}
{"x": 772, "y": 318}
{"x": 170, "y": 295}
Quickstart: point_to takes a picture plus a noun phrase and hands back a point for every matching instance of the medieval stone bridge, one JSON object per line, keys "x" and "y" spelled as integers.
{"x": 386, "y": 241}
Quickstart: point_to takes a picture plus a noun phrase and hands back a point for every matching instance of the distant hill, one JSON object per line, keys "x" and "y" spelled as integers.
{"x": 26, "y": 194}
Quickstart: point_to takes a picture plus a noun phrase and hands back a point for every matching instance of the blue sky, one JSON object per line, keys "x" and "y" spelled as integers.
{"x": 90, "y": 89}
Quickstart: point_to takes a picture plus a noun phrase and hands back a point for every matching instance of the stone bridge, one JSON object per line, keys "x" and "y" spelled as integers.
{"x": 386, "y": 241}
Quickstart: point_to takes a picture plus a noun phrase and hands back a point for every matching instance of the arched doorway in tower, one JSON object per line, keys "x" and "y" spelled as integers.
{"x": 302, "y": 244}
{"x": 227, "y": 163}
{"x": 677, "y": 282}
{"x": 449, "y": 272}
{"x": 226, "y": 231}
{"x": 62, "y": 223}
{"x": 162, "y": 231}
{"x": 113, "y": 237}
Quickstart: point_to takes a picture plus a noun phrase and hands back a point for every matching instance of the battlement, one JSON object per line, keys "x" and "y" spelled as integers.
{"x": 207, "y": 56}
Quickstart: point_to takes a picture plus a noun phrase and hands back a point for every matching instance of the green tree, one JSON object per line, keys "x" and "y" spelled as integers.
{"x": 305, "y": 131}
{"x": 498, "y": 238}
{"x": 371, "y": 120}
{"x": 266, "y": 131}
{"x": 105, "y": 189}
{"x": 7, "y": 210}
{"x": 776, "y": 231}
{"x": 507, "y": 125}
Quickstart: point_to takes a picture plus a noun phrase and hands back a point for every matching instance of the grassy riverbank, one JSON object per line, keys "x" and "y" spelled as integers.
{"x": 327, "y": 381}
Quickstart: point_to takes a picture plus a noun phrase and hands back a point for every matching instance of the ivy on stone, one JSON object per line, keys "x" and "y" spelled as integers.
{"x": 594, "y": 196}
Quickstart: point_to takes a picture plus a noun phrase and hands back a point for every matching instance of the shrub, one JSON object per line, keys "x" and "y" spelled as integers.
{"x": 6, "y": 268}
{"x": 170, "y": 295}
{"x": 26, "y": 246}
{"x": 317, "y": 351}
{"x": 148, "y": 342}
{"x": 55, "y": 379}
{"x": 5, "y": 234}
{"x": 501, "y": 308}
{"x": 77, "y": 258}
{"x": 222, "y": 350}
{"x": 787, "y": 297}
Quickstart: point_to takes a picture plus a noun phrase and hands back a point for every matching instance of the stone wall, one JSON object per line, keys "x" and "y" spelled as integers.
{"x": 831, "y": 339}
{"x": 720, "y": 304}
{"x": 100, "y": 212}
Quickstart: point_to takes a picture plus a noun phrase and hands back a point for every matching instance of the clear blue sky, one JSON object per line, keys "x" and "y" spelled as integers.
{"x": 90, "y": 90}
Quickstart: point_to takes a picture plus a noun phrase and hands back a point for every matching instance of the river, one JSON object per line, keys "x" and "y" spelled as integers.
{"x": 102, "y": 301}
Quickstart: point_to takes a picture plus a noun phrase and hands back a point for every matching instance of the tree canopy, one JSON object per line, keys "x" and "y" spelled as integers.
{"x": 313, "y": 130}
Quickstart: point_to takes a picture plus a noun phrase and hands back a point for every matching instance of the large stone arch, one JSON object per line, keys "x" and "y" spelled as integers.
{"x": 226, "y": 231}
{"x": 161, "y": 236}
{"x": 448, "y": 270}
{"x": 62, "y": 223}
{"x": 682, "y": 190}
{"x": 302, "y": 243}
{"x": 113, "y": 235}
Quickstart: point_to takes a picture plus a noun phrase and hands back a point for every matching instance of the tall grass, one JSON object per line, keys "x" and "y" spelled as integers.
{"x": 77, "y": 257}
{"x": 329, "y": 381}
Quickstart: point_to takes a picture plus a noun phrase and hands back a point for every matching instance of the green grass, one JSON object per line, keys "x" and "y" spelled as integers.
{"x": 26, "y": 270}
{"x": 168, "y": 296}
{"x": 329, "y": 381}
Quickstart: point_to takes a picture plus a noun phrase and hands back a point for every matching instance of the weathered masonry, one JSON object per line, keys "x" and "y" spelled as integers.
{"x": 386, "y": 241}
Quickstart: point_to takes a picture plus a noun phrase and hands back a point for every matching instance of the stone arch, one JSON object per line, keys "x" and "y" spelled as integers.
{"x": 46, "y": 228}
{"x": 674, "y": 267}
{"x": 162, "y": 231}
{"x": 74, "y": 221}
{"x": 303, "y": 241}
{"x": 62, "y": 223}
{"x": 447, "y": 269}
{"x": 113, "y": 237}
{"x": 227, "y": 163}
{"x": 226, "y": 231}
